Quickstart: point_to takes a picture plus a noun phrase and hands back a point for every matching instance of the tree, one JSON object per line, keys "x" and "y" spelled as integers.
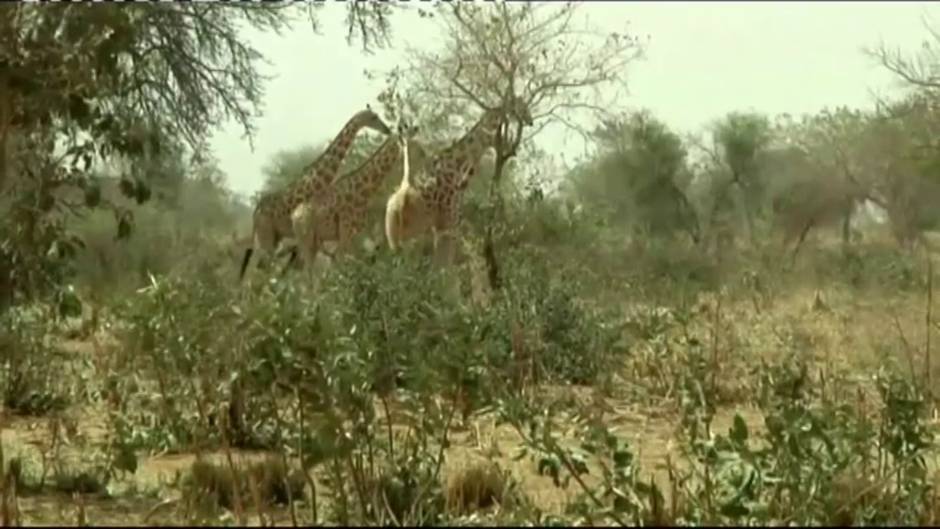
{"x": 918, "y": 70}
{"x": 634, "y": 177}
{"x": 80, "y": 86}
{"x": 918, "y": 110}
{"x": 286, "y": 166}
{"x": 494, "y": 53}
{"x": 887, "y": 158}
{"x": 901, "y": 154}
{"x": 738, "y": 142}
{"x": 827, "y": 147}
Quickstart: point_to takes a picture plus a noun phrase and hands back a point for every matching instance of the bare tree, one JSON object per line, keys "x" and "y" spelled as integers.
{"x": 920, "y": 70}
{"x": 566, "y": 72}
{"x": 729, "y": 164}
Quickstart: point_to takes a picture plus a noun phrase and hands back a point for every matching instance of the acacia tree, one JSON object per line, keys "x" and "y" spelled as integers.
{"x": 887, "y": 158}
{"x": 730, "y": 167}
{"x": 287, "y": 165}
{"x": 635, "y": 176}
{"x": 915, "y": 122}
{"x": 495, "y": 52}
{"x": 833, "y": 182}
{"x": 901, "y": 153}
{"x": 81, "y": 85}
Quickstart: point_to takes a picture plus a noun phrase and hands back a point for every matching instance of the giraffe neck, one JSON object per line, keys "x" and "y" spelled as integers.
{"x": 367, "y": 177}
{"x": 455, "y": 163}
{"x": 320, "y": 174}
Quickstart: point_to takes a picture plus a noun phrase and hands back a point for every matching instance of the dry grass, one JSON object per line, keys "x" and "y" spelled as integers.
{"x": 269, "y": 481}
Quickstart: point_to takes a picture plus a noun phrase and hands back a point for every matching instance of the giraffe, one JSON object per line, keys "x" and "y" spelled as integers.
{"x": 272, "y": 215}
{"x": 435, "y": 203}
{"x": 343, "y": 211}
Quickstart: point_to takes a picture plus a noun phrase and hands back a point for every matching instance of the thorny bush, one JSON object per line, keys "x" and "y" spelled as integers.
{"x": 362, "y": 378}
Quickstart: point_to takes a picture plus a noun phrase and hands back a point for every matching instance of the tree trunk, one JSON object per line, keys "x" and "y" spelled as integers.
{"x": 7, "y": 144}
{"x": 847, "y": 223}
{"x": 493, "y": 268}
{"x": 748, "y": 214}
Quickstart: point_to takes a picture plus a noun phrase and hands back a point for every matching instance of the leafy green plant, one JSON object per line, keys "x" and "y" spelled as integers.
{"x": 31, "y": 367}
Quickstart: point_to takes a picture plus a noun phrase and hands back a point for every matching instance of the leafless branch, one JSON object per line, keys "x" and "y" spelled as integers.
{"x": 455, "y": 79}
{"x": 915, "y": 71}
{"x": 529, "y": 51}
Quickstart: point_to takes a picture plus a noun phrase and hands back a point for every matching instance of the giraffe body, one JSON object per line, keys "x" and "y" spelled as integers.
{"x": 342, "y": 213}
{"x": 434, "y": 204}
{"x": 272, "y": 221}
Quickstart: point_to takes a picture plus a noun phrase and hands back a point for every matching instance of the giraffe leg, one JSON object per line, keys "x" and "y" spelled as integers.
{"x": 245, "y": 260}
{"x": 264, "y": 240}
{"x": 294, "y": 257}
{"x": 443, "y": 246}
{"x": 290, "y": 260}
{"x": 311, "y": 249}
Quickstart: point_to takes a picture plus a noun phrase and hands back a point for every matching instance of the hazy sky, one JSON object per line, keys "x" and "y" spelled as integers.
{"x": 704, "y": 59}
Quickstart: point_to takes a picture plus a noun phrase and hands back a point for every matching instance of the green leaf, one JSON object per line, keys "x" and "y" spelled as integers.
{"x": 622, "y": 503}
{"x": 127, "y": 187}
{"x": 550, "y": 465}
{"x": 125, "y": 459}
{"x": 579, "y": 464}
{"x": 738, "y": 432}
{"x": 78, "y": 108}
{"x": 623, "y": 458}
{"x": 734, "y": 510}
{"x": 69, "y": 306}
{"x": 141, "y": 192}
{"x": 92, "y": 195}
{"x": 124, "y": 227}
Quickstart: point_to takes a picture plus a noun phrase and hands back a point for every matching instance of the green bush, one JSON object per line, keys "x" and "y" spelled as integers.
{"x": 32, "y": 368}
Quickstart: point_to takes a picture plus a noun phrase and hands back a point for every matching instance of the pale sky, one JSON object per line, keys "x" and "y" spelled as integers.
{"x": 703, "y": 60}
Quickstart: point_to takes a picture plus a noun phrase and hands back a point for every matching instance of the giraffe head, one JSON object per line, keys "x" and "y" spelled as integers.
{"x": 417, "y": 154}
{"x": 369, "y": 119}
{"x": 406, "y": 130}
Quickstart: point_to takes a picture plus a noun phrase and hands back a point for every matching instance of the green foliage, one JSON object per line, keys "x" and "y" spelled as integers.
{"x": 635, "y": 177}
{"x": 164, "y": 240}
{"x": 72, "y": 88}
{"x": 32, "y": 374}
{"x": 741, "y": 137}
{"x": 359, "y": 380}
{"x": 810, "y": 449}
{"x": 284, "y": 167}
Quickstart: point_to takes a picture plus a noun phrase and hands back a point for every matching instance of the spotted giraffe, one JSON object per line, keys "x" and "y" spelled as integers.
{"x": 434, "y": 204}
{"x": 272, "y": 216}
{"x": 343, "y": 212}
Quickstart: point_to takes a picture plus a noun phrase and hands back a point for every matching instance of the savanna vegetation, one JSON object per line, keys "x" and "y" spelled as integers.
{"x": 734, "y": 327}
